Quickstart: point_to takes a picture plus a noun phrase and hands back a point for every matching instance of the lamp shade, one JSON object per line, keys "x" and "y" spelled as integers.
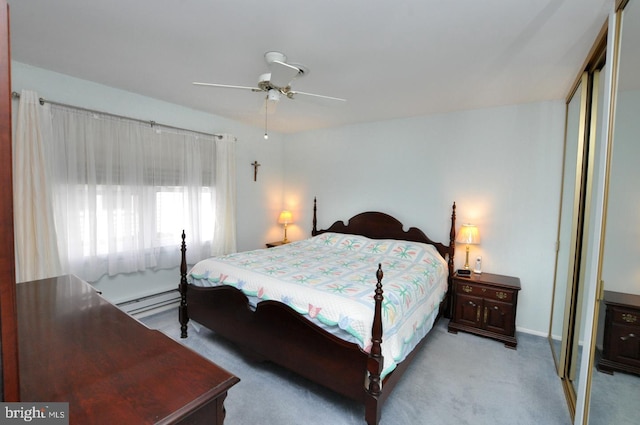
{"x": 468, "y": 234}
{"x": 285, "y": 217}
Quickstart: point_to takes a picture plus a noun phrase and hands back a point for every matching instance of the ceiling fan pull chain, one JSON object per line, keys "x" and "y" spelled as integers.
{"x": 266, "y": 113}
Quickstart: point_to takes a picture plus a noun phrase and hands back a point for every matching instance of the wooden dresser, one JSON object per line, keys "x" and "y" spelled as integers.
{"x": 485, "y": 304}
{"x": 621, "y": 345}
{"x": 78, "y": 348}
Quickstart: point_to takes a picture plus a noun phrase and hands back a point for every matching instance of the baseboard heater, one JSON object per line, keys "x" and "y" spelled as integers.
{"x": 151, "y": 304}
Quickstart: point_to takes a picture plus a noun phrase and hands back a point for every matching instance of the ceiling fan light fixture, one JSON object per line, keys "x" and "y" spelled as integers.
{"x": 273, "y": 95}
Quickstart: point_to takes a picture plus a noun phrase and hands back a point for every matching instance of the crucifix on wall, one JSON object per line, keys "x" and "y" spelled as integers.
{"x": 255, "y": 165}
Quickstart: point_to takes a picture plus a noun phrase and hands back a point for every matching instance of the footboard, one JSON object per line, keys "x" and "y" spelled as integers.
{"x": 276, "y": 332}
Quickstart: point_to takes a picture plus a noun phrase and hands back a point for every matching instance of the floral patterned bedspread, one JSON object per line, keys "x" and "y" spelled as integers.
{"x": 330, "y": 279}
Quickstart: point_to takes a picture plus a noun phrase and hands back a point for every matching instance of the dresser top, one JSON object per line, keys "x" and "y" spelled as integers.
{"x": 491, "y": 279}
{"x": 76, "y": 347}
{"x": 619, "y": 298}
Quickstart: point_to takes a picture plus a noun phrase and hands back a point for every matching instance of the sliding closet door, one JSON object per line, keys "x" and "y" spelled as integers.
{"x": 566, "y": 333}
{"x": 614, "y": 397}
{"x": 8, "y": 326}
{"x": 571, "y": 207}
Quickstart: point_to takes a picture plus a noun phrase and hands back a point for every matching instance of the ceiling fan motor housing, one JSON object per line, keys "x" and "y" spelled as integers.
{"x": 264, "y": 82}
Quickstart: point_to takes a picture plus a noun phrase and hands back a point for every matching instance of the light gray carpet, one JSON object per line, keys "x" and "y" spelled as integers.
{"x": 614, "y": 398}
{"x": 454, "y": 379}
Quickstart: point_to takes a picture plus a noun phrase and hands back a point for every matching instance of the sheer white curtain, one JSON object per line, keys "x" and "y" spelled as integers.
{"x": 35, "y": 235}
{"x": 124, "y": 191}
{"x": 224, "y": 241}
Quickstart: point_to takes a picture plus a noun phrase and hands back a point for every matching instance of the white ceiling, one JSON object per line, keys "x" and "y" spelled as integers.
{"x": 390, "y": 59}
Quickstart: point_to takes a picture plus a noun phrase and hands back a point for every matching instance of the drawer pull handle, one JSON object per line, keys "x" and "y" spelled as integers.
{"x": 467, "y": 288}
{"x": 471, "y": 303}
{"x": 501, "y": 295}
{"x": 624, "y": 338}
{"x": 629, "y": 318}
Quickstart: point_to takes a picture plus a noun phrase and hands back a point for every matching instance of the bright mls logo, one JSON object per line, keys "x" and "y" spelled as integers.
{"x": 34, "y": 413}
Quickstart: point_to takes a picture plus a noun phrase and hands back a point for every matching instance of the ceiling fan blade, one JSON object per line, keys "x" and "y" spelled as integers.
{"x": 293, "y": 93}
{"x": 227, "y": 86}
{"x": 282, "y": 73}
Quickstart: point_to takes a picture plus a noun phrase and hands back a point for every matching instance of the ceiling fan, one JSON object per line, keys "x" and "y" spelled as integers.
{"x": 277, "y": 83}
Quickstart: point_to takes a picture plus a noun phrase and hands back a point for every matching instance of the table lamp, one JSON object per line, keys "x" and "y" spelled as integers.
{"x": 468, "y": 235}
{"x": 285, "y": 218}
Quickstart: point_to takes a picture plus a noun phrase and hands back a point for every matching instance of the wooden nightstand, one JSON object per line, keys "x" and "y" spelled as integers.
{"x": 621, "y": 345}
{"x": 278, "y": 243}
{"x": 485, "y": 304}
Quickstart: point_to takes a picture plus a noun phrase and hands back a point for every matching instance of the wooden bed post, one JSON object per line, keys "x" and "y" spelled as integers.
{"x": 452, "y": 248}
{"x": 314, "y": 230}
{"x": 452, "y": 239}
{"x": 182, "y": 312}
{"x": 375, "y": 362}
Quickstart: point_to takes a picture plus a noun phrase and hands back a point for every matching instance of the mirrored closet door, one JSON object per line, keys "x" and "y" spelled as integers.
{"x": 615, "y": 377}
{"x": 566, "y": 333}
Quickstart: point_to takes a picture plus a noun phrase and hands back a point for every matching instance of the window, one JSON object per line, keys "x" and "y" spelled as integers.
{"x": 123, "y": 192}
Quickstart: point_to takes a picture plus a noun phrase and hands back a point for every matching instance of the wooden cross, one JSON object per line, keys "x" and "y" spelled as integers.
{"x": 255, "y": 170}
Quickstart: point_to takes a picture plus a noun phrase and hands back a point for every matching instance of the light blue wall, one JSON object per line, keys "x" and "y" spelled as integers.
{"x": 502, "y": 166}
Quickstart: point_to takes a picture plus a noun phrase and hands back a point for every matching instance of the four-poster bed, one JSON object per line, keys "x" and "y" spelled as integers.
{"x": 269, "y": 329}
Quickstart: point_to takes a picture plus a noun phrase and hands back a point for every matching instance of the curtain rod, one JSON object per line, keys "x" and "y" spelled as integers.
{"x": 16, "y": 95}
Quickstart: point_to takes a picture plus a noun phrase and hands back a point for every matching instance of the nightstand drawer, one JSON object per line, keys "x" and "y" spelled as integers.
{"x": 621, "y": 341}
{"x": 625, "y": 345}
{"x": 626, "y": 317}
{"x": 485, "y": 291}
